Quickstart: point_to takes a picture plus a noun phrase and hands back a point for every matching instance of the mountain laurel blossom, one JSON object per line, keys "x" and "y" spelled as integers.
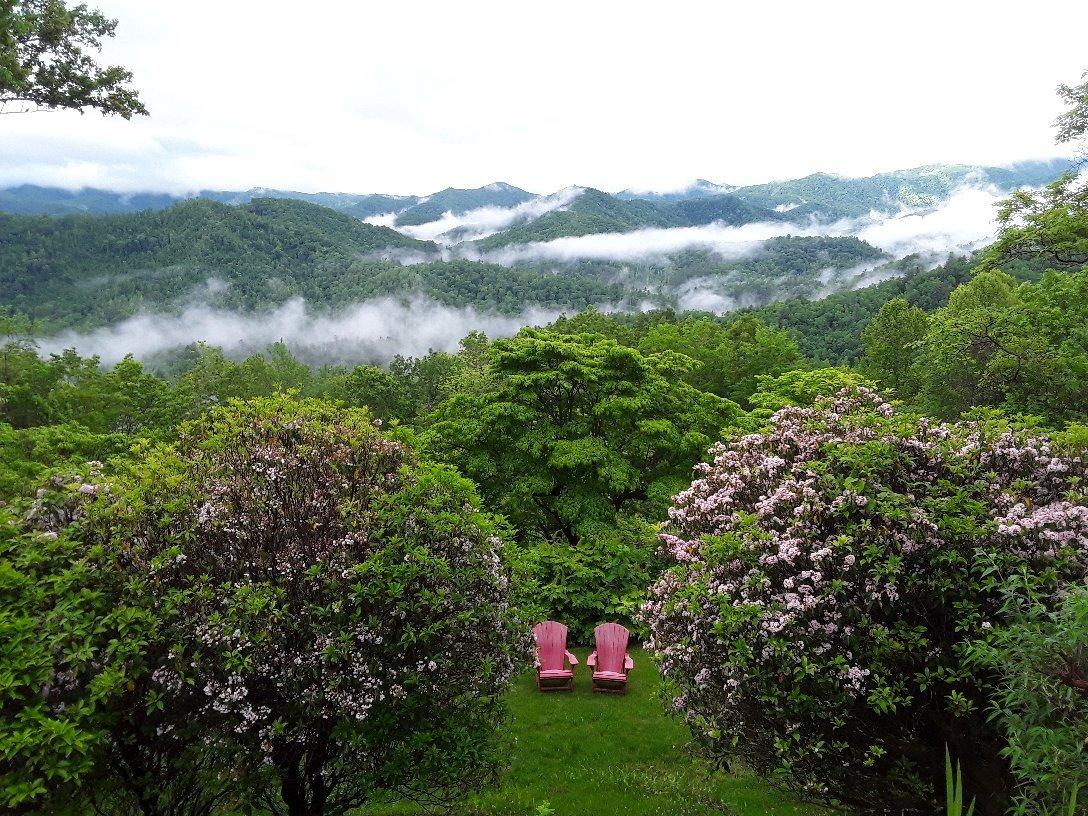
{"x": 827, "y": 577}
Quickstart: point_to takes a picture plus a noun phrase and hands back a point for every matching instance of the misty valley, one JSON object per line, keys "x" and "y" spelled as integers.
{"x": 362, "y": 278}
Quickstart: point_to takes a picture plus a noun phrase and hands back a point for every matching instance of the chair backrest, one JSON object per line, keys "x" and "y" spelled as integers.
{"x": 611, "y": 639}
{"x": 551, "y": 644}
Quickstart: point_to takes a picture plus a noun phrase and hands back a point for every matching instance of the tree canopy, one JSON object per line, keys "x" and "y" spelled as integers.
{"x": 47, "y": 60}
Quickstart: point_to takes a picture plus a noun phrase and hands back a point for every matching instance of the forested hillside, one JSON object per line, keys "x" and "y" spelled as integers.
{"x": 836, "y": 197}
{"x": 455, "y": 201}
{"x": 594, "y": 212}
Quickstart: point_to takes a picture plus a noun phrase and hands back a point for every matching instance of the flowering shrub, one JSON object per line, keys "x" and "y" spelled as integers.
{"x": 64, "y": 648}
{"x": 333, "y": 607}
{"x": 830, "y": 575}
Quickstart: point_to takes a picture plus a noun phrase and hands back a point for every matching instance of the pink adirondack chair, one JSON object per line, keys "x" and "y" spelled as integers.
{"x": 610, "y": 663}
{"x": 552, "y": 672}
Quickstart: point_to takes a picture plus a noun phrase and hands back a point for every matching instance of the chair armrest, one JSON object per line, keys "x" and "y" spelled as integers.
{"x": 591, "y": 661}
{"x": 628, "y": 663}
{"x": 572, "y": 659}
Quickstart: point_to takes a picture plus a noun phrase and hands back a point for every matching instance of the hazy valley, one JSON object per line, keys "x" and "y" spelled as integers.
{"x": 342, "y": 277}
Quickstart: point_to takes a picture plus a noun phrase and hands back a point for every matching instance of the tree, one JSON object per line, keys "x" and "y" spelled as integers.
{"x": 830, "y": 578}
{"x": 1073, "y": 123}
{"x": 47, "y": 62}
{"x": 730, "y": 358}
{"x": 891, "y": 346}
{"x": 1050, "y": 225}
{"x": 370, "y": 386}
{"x": 331, "y": 606}
{"x": 802, "y": 388}
{"x": 576, "y": 430}
{"x": 579, "y": 441}
{"x": 1020, "y": 347}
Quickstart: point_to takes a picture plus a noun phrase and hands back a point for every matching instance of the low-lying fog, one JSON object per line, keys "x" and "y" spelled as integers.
{"x": 372, "y": 331}
{"x": 377, "y": 330}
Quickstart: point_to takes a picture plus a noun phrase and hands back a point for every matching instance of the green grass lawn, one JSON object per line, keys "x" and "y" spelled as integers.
{"x": 587, "y": 754}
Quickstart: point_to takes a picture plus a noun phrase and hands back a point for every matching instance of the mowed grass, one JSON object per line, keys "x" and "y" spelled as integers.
{"x": 584, "y": 754}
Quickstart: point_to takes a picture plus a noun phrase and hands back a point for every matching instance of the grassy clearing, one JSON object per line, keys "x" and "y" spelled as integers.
{"x": 584, "y": 754}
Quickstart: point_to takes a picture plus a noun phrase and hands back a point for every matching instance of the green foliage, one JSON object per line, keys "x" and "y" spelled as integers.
{"x": 802, "y": 388}
{"x": 74, "y": 389}
{"x": 265, "y": 251}
{"x": 953, "y": 782}
{"x": 47, "y": 62}
{"x": 830, "y": 329}
{"x": 67, "y": 651}
{"x": 1050, "y": 225}
{"x": 604, "y": 578}
{"x": 575, "y": 430}
{"x": 1021, "y": 347}
{"x": 1073, "y": 123}
{"x": 84, "y": 271}
{"x": 1041, "y": 657}
{"x": 28, "y": 455}
{"x": 831, "y": 576}
{"x": 891, "y": 343}
{"x": 730, "y": 358}
{"x": 327, "y": 623}
{"x": 575, "y": 438}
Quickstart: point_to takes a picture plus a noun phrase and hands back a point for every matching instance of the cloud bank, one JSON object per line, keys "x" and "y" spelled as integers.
{"x": 654, "y": 243}
{"x": 371, "y": 331}
{"x": 484, "y": 221}
{"x": 964, "y": 222}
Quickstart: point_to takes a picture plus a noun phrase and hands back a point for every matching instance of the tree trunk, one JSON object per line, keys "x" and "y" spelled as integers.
{"x": 293, "y": 788}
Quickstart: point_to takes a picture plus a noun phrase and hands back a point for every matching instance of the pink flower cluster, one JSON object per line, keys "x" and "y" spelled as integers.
{"x": 809, "y": 556}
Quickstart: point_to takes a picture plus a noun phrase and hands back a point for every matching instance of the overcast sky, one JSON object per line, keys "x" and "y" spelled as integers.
{"x": 410, "y": 96}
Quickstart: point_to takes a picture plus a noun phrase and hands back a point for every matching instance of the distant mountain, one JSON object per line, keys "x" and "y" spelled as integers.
{"x": 822, "y": 196}
{"x": 458, "y": 202}
{"x": 591, "y": 212}
{"x": 700, "y": 188}
{"x": 30, "y": 199}
{"x": 830, "y": 197}
{"x": 595, "y": 211}
{"x": 253, "y": 254}
{"x": 357, "y": 206}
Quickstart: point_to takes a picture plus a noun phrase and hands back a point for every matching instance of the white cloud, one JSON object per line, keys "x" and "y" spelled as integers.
{"x": 373, "y": 331}
{"x": 383, "y": 220}
{"x": 414, "y": 97}
{"x": 644, "y": 244}
{"x": 965, "y": 222}
{"x": 968, "y": 220}
{"x": 484, "y": 221}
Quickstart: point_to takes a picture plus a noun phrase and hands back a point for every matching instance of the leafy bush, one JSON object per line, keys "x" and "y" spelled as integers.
{"x": 331, "y": 617}
{"x": 1041, "y": 701}
{"x": 65, "y": 650}
{"x": 605, "y": 578}
{"x": 830, "y": 576}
